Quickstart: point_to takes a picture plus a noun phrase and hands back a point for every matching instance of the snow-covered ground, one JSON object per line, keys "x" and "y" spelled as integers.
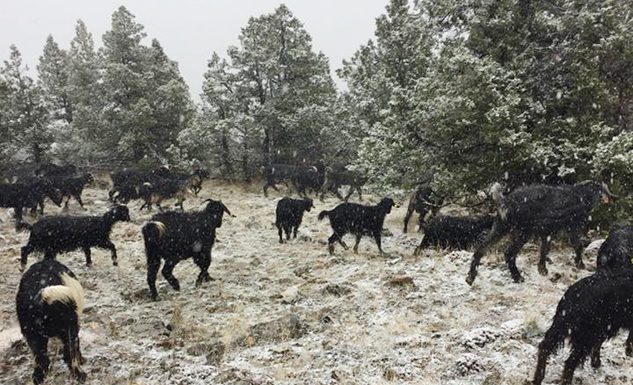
{"x": 293, "y": 314}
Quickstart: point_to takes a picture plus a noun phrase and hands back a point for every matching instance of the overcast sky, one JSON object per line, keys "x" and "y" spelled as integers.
{"x": 189, "y": 30}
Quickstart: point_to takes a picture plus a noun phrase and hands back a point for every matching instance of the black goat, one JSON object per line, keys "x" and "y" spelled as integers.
{"x": 591, "y": 311}
{"x": 289, "y": 214}
{"x": 49, "y": 304}
{"x": 423, "y": 201}
{"x": 279, "y": 173}
{"x": 161, "y": 189}
{"x": 51, "y": 170}
{"x": 58, "y": 234}
{"x": 309, "y": 178}
{"x": 541, "y": 211}
{"x": 125, "y": 192}
{"x": 174, "y": 236}
{"x": 334, "y": 179}
{"x": 197, "y": 176}
{"x": 359, "y": 220}
{"x": 134, "y": 179}
{"x": 29, "y": 195}
{"x": 454, "y": 232}
{"x": 617, "y": 250}
{"x": 73, "y": 187}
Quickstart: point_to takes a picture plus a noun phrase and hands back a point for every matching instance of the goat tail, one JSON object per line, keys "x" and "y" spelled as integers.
{"x": 153, "y": 229}
{"x": 323, "y": 214}
{"x": 554, "y": 337}
{"x": 70, "y": 293}
{"x": 23, "y": 226}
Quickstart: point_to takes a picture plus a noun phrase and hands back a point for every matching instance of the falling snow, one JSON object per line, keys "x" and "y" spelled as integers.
{"x": 358, "y": 327}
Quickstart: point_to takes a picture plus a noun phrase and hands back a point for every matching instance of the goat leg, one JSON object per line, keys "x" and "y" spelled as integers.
{"x": 595, "y": 356}
{"x": 539, "y": 374}
{"x": 203, "y": 261}
{"x": 511, "y": 256}
{"x": 88, "y": 258}
{"x": 24, "y": 255}
{"x": 78, "y": 199}
{"x": 73, "y": 358}
{"x": 110, "y": 246}
{"x": 349, "y": 193}
{"x": 167, "y": 272}
{"x": 575, "y": 358}
{"x": 378, "y": 242}
{"x": 542, "y": 263}
{"x": 629, "y": 344}
{"x": 495, "y": 234}
{"x": 153, "y": 264}
{"x": 407, "y": 217}
{"x": 574, "y": 239}
{"x": 39, "y": 347}
{"x": 333, "y": 238}
{"x": 358, "y": 236}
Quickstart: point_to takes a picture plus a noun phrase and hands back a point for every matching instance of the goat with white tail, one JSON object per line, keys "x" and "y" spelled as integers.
{"x": 174, "y": 236}
{"x": 50, "y": 302}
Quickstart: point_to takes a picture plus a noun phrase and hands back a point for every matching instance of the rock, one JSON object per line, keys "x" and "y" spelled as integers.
{"x": 302, "y": 271}
{"x": 326, "y": 315}
{"x": 277, "y": 330}
{"x": 305, "y": 238}
{"x": 215, "y": 353}
{"x": 337, "y": 290}
{"x": 290, "y": 295}
{"x": 234, "y": 377}
{"x": 480, "y": 337}
{"x": 389, "y": 374}
{"x": 405, "y": 282}
{"x": 555, "y": 277}
{"x": 468, "y": 364}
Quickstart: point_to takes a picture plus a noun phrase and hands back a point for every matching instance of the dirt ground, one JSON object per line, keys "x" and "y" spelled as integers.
{"x": 293, "y": 314}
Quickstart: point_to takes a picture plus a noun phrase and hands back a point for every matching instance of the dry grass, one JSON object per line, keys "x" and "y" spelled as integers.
{"x": 403, "y": 319}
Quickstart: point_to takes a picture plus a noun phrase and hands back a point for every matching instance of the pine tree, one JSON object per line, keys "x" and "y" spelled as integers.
{"x": 279, "y": 71}
{"x": 53, "y": 80}
{"x": 26, "y": 116}
{"x": 147, "y": 100}
{"x": 271, "y": 101}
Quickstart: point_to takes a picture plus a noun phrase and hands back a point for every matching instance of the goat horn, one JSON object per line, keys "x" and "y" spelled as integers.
{"x": 227, "y": 210}
{"x": 606, "y": 190}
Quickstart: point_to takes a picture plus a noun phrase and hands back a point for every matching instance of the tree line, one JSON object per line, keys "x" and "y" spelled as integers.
{"x": 469, "y": 91}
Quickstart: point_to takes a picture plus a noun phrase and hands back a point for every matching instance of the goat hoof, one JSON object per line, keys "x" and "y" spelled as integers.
{"x": 596, "y": 364}
{"x": 38, "y": 377}
{"x": 22, "y": 267}
{"x": 629, "y": 351}
{"x": 542, "y": 270}
{"x": 470, "y": 279}
{"x": 88, "y": 264}
{"x": 580, "y": 265}
{"x": 518, "y": 279}
{"x": 115, "y": 263}
{"x": 81, "y": 377}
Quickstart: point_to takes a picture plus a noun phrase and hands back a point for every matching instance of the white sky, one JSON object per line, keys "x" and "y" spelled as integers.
{"x": 189, "y": 30}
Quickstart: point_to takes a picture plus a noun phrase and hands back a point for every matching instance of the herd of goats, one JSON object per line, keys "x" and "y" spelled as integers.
{"x": 50, "y": 299}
